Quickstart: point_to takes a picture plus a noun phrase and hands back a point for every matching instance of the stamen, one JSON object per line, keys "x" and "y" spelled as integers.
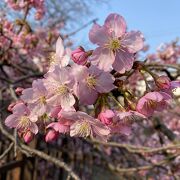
{"x": 84, "y": 129}
{"x": 24, "y": 122}
{"x": 91, "y": 81}
{"x": 62, "y": 90}
{"x": 42, "y": 100}
{"x": 114, "y": 44}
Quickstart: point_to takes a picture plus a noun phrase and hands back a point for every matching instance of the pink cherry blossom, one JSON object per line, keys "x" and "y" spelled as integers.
{"x": 79, "y": 56}
{"x": 152, "y": 101}
{"x": 106, "y": 116}
{"x": 59, "y": 84}
{"x": 36, "y": 99}
{"x": 90, "y": 82}
{"x": 61, "y": 57}
{"x": 85, "y": 125}
{"x": 122, "y": 121}
{"x": 116, "y": 46}
{"x": 20, "y": 119}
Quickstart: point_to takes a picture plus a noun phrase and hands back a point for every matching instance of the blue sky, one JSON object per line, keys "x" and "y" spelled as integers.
{"x": 158, "y": 20}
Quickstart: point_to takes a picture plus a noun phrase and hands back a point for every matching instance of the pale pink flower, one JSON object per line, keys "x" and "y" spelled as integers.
{"x": 59, "y": 83}
{"x": 61, "y": 57}
{"x": 20, "y": 119}
{"x": 116, "y": 46}
{"x": 79, "y": 56}
{"x": 90, "y": 82}
{"x": 85, "y": 125}
{"x": 122, "y": 122}
{"x": 106, "y": 116}
{"x": 36, "y": 99}
{"x": 152, "y": 101}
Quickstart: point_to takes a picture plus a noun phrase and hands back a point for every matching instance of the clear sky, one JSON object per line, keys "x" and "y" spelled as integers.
{"x": 158, "y": 20}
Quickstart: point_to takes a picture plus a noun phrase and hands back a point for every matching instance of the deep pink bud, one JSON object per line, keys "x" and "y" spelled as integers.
{"x": 163, "y": 82}
{"x": 28, "y": 136}
{"x": 106, "y": 117}
{"x": 52, "y": 135}
{"x": 19, "y": 90}
{"x": 79, "y": 56}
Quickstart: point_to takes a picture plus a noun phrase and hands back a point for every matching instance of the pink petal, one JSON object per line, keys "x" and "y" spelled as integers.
{"x": 103, "y": 58}
{"x": 115, "y": 24}
{"x": 98, "y": 35}
{"x": 133, "y": 41}
{"x": 11, "y": 121}
{"x": 59, "y": 48}
{"x": 123, "y": 61}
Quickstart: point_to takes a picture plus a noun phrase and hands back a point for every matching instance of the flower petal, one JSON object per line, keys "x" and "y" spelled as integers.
{"x": 115, "y": 24}
{"x": 98, "y": 35}
{"x": 133, "y": 41}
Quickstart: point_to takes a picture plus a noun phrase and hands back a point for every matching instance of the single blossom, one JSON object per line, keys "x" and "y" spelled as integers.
{"x": 20, "y": 119}
{"x": 122, "y": 122}
{"x": 36, "y": 99}
{"x": 116, "y": 46}
{"x": 152, "y": 101}
{"x": 84, "y": 125}
{"x": 79, "y": 56}
{"x": 89, "y": 82}
{"x": 59, "y": 84}
{"x": 106, "y": 116}
{"x": 61, "y": 57}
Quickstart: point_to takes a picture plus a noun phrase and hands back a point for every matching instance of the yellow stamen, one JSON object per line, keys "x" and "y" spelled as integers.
{"x": 24, "y": 122}
{"x": 114, "y": 44}
{"x": 42, "y": 100}
{"x": 91, "y": 81}
{"x": 63, "y": 89}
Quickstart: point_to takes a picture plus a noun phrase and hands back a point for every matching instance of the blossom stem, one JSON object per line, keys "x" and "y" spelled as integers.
{"x": 116, "y": 101}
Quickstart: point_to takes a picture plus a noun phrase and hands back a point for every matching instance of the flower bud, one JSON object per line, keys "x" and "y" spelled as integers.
{"x": 28, "y": 136}
{"x": 106, "y": 117}
{"x": 79, "y": 56}
{"x": 19, "y": 90}
{"x": 51, "y": 135}
{"x": 163, "y": 82}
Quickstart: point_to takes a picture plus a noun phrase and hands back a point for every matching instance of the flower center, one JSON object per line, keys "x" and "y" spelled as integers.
{"x": 52, "y": 58}
{"x": 24, "y": 122}
{"x": 62, "y": 90}
{"x": 91, "y": 81}
{"x": 84, "y": 129}
{"x": 152, "y": 104}
{"x": 42, "y": 100}
{"x": 114, "y": 44}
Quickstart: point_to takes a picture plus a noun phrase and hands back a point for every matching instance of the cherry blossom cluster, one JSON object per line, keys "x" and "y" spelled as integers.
{"x": 166, "y": 53}
{"x": 25, "y": 4}
{"x": 77, "y": 94}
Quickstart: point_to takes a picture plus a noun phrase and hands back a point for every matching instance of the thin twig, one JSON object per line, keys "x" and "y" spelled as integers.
{"x": 6, "y": 151}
